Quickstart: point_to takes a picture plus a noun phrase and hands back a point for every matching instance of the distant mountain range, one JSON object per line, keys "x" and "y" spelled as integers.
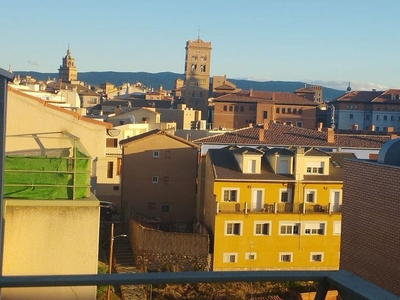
{"x": 166, "y": 79}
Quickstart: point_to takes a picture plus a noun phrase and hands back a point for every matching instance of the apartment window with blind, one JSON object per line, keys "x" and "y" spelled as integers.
{"x": 111, "y": 143}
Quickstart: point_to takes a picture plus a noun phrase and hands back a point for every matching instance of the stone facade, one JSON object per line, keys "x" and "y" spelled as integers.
{"x": 155, "y": 250}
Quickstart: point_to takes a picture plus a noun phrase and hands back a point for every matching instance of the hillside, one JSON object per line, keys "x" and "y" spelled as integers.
{"x": 166, "y": 79}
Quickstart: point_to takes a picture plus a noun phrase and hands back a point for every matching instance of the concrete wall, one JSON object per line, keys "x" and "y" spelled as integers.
{"x": 50, "y": 238}
{"x": 370, "y": 227}
{"x": 28, "y": 115}
{"x": 156, "y": 250}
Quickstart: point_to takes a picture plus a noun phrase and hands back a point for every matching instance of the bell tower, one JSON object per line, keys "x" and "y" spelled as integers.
{"x": 67, "y": 71}
{"x": 197, "y": 75}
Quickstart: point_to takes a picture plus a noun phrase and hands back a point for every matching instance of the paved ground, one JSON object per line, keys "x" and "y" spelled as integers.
{"x": 124, "y": 263}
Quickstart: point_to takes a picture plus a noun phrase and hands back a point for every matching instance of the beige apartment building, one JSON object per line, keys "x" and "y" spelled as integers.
{"x": 184, "y": 117}
{"x": 159, "y": 172}
{"x": 47, "y": 140}
{"x": 195, "y": 91}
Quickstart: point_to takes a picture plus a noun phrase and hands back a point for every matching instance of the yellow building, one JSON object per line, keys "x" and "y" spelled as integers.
{"x": 272, "y": 209}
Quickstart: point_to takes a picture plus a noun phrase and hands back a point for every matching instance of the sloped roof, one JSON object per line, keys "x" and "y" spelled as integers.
{"x": 358, "y": 96}
{"x": 386, "y": 97}
{"x": 263, "y": 96}
{"x": 156, "y": 132}
{"x": 59, "y": 109}
{"x": 286, "y": 135}
{"x": 305, "y": 90}
{"x": 227, "y": 168}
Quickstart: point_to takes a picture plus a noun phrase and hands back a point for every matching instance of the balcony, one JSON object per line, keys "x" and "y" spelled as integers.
{"x": 46, "y": 166}
{"x": 278, "y": 207}
{"x": 349, "y": 286}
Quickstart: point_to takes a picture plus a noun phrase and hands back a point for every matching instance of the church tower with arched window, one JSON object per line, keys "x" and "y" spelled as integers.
{"x": 197, "y": 75}
{"x": 67, "y": 71}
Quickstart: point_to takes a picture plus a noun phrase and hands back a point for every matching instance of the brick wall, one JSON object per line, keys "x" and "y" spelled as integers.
{"x": 156, "y": 250}
{"x": 370, "y": 246}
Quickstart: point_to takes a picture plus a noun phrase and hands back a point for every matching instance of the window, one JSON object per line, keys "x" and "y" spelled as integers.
{"x": 288, "y": 123}
{"x": 294, "y": 111}
{"x": 351, "y": 116}
{"x": 377, "y": 117}
{"x": 261, "y": 228}
{"x": 225, "y": 108}
{"x": 110, "y": 169}
{"x": 118, "y": 170}
{"x": 250, "y": 255}
{"x": 285, "y": 256}
{"x": 265, "y": 114}
{"x": 229, "y": 257}
{"x": 154, "y": 179}
{"x": 289, "y": 228}
{"x": 165, "y": 208}
{"x": 316, "y": 256}
{"x": 166, "y": 179}
{"x": 230, "y": 195}
{"x": 277, "y": 110}
{"x": 299, "y": 124}
{"x": 289, "y": 110}
{"x": 385, "y": 118}
{"x": 116, "y": 188}
{"x": 391, "y": 118}
{"x": 151, "y": 206}
{"x": 285, "y": 195}
{"x": 236, "y": 108}
{"x": 311, "y": 196}
{"x": 337, "y": 227}
{"x": 156, "y": 154}
{"x": 283, "y": 110}
{"x": 242, "y": 108}
{"x": 230, "y": 108}
{"x": 111, "y": 143}
{"x": 315, "y": 167}
{"x": 233, "y": 228}
{"x": 314, "y": 228}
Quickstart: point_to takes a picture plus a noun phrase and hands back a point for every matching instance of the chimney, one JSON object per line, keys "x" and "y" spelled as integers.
{"x": 265, "y": 124}
{"x": 251, "y": 92}
{"x": 320, "y": 124}
{"x": 261, "y": 134}
{"x": 330, "y": 134}
{"x": 250, "y": 124}
{"x": 273, "y": 96}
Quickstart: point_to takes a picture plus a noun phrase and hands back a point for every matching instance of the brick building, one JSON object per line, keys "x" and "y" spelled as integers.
{"x": 238, "y": 110}
{"x": 370, "y": 227}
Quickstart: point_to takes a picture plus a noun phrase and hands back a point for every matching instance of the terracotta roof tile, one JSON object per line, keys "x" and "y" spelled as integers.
{"x": 285, "y": 135}
{"x": 262, "y": 96}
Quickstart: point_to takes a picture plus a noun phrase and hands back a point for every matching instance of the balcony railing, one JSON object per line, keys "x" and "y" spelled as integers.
{"x": 348, "y": 285}
{"x": 278, "y": 207}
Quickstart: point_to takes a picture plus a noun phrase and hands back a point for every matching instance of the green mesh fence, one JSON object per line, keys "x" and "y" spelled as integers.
{"x": 46, "y": 177}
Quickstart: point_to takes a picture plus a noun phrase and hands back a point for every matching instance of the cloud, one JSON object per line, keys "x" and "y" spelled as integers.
{"x": 355, "y": 85}
{"x": 33, "y": 63}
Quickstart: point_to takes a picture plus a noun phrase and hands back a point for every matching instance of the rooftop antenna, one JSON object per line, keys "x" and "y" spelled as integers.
{"x": 198, "y": 32}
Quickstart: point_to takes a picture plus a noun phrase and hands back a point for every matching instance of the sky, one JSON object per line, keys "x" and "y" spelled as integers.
{"x": 327, "y": 42}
